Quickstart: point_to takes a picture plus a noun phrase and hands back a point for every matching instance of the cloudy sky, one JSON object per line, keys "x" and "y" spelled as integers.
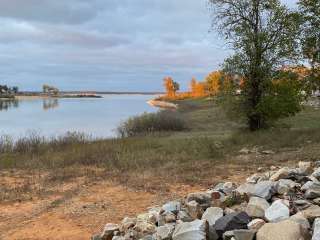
{"x": 127, "y": 45}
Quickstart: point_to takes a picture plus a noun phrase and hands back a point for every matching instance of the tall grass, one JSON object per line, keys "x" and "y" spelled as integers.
{"x": 162, "y": 121}
{"x": 34, "y": 142}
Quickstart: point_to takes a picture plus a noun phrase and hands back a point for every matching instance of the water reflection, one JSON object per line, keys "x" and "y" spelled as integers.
{"x": 47, "y": 104}
{"x": 5, "y": 104}
{"x": 50, "y": 103}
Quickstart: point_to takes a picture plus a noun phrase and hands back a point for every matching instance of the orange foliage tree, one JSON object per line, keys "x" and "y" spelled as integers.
{"x": 213, "y": 81}
{"x": 198, "y": 89}
{"x": 171, "y": 86}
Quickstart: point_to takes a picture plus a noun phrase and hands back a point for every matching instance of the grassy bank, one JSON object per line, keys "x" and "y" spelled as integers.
{"x": 206, "y": 148}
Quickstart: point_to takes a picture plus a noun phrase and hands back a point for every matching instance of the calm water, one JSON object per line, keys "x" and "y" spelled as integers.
{"x": 97, "y": 117}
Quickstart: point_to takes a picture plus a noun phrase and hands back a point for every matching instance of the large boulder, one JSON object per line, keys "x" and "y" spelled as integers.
{"x": 285, "y": 230}
{"x": 237, "y": 220}
{"x": 316, "y": 229}
{"x": 278, "y": 211}
{"x": 196, "y": 230}
{"x": 263, "y": 189}
{"x": 256, "y": 207}
{"x": 212, "y": 214}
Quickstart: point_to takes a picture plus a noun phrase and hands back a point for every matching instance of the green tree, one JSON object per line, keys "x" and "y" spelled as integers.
{"x": 263, "y": 34}
{"x": 310, "y": 12}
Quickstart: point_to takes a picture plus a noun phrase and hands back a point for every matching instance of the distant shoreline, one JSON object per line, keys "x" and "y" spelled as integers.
{"x": 75, "y": 94}
{"x": 36, "y": 93}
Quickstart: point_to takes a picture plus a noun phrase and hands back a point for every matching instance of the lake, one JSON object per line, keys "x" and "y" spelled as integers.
{"x": 97, "y": 117}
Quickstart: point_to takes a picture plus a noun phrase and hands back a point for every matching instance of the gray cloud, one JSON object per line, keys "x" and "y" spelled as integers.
{"x": 106, "y": 44}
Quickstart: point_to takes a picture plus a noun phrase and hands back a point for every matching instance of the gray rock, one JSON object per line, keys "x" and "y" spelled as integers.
{"x": 313, "y": 191}
{"x": 285, "y": 230}
{"x": 311, "y": 213}
{"x": 253, "y": 179}
{"x": 132, "y": 234}
{"x": 306, "y": 186}
{"x": 280, "y": 174}
{"x": 246, "y": 188}
{"x": 263, "y": 189}
{"x": 184, "y": 216}
{"x": 127, "y": 223}
{"x": 316, "y": 174}
{"x": 240, "y": 234}
{"x": 278, "y": 211}
{"x": 144, "y": 228}
{"x": 283, "y": 186}
{"x": 316, "y": 201}
{"x": 203, "y": 198}
{"x": 196, "y": 230}
{"x": 301, "y": 220}
{"x": 148, "y": 237}
{"x": 164, "y": 232}
{"x": 151, "y": 217}
{"x": 316, "y": 229}
{"x": 169, "y": 217}
{"x": 256, "y": 224}
{"x": 231, "y": 222}
{"x": 212, "y": 214}
{"x": 194, "y": 209}
{"x": 228, "y": 187}
{"x": 227, "y": 211}
{"x": 257, "y": 207}
{"x": 109, "y": 230}
{"x": 301, "y": 204}
{"x": 173, "y": 207}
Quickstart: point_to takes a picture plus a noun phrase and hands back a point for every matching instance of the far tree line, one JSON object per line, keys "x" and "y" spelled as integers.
{"x": 5, "y": 89}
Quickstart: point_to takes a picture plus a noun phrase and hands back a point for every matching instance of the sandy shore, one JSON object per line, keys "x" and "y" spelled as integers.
{"x": 32, "y": 97}
{"x": 162, "y": 104}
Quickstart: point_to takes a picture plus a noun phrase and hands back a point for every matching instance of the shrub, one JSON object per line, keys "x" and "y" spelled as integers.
{"x": 162, "y": 121}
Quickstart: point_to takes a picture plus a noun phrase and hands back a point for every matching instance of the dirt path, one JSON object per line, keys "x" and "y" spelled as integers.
{"x": 78, "y": 216}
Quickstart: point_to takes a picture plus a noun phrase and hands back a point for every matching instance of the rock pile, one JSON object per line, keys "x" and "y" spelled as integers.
{"x": 280, "y": 204}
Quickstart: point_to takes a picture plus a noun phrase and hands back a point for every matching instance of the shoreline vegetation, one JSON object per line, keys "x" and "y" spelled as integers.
{"x": 164, "y": 141}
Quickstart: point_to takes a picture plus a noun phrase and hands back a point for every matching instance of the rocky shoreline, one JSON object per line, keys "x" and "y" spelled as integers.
{"x": 277, "y": 204}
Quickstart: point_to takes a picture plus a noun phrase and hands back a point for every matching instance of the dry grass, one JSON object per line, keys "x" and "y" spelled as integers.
{"x": 194, "y": 156}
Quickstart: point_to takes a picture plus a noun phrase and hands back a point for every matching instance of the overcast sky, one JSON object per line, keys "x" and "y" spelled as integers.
{"x": 127, "y": 45}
